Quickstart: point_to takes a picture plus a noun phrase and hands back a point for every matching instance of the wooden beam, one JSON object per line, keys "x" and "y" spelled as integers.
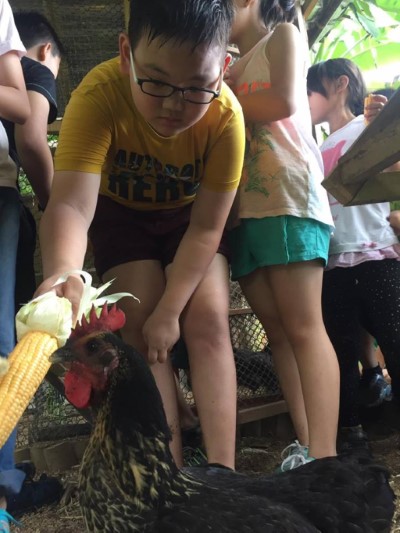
{"x": 377, "y": 147}
{"x": 321, "y": 20}
{"x": 233, "y": 49}
{"x": 301, "y": 24}
{"x": 382, "y": 187}
{"x": 126, "y": 13}
{"x": 359, "y": 171}
{"x": 308, "y": 8}
{"x": 265, "y": 410}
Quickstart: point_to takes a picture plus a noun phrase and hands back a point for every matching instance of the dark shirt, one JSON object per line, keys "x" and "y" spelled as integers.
{"x": 40, "y": 79}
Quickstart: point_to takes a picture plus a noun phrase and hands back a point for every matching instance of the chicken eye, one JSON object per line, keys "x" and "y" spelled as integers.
{"x": 92, "y": 346}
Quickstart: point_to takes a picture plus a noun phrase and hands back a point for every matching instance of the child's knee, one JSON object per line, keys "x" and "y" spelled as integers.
{"x": 207, "y": 325}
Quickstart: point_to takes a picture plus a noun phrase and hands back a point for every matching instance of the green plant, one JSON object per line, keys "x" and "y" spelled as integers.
{"x": 365, "y": 31}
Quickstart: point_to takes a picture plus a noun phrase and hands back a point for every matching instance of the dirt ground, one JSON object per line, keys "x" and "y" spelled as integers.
{"x": 255, "y": 454}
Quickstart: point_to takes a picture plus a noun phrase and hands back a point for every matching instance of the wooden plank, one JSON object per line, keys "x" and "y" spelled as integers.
{"x": 266, "y": 410}
{"x": 301, "y": 24}
{"x": 377, "y": 148}
{"x": 126, "y": 13}
{"x": 233, "y": 50}
{"x": 382, "y": 187}
{"x": 308, "y": 8}
{"x": 321, "y": 20}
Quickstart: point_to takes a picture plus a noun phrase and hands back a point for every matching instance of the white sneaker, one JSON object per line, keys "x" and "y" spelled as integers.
{"x": 294, "y": 461}
{"x": 294, "y": 449}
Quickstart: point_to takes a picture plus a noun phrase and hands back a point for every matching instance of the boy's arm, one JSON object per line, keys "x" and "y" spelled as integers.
{"x": 32, "y": 147}
{"x": 285, "y": 54}
{"x": 14, "y": 104}
{"x": 63, "y": 230}
{"x": 194, "y": 255}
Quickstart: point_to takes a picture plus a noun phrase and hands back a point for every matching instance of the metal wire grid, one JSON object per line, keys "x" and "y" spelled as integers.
{"x": 88, "y": 30}
{"x": 256, "y": 377}
{"x": 51, "y": 417}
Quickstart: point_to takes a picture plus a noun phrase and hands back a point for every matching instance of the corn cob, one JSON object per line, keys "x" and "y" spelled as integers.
{"x": 28, "y": 365}
{"x": 42, "y": 325}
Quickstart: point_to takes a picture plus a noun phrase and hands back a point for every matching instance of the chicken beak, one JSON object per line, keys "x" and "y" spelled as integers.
{"x": 62, "y": 355}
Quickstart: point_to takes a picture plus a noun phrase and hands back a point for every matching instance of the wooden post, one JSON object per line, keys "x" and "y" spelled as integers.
{"x": 126, "y": 13}
{"x": 308, "y": 8}
{"x": 301, "y": 24}
{"x": 321, "y": 20}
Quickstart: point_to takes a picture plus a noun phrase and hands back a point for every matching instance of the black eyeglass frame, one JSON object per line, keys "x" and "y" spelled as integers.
{"x": 174, "y": 88}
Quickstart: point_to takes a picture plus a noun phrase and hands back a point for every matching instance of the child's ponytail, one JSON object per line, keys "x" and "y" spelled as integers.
{"x": 274, "y": 12}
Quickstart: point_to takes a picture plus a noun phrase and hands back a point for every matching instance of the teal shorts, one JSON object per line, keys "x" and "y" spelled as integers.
{"x": 258, "y": 243}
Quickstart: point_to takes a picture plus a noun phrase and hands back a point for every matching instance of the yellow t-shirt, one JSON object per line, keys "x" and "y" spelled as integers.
{"x": 102, "y": 132}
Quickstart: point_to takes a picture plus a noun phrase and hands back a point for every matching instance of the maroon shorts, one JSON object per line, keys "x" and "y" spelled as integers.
{"x": 119, "y": 234}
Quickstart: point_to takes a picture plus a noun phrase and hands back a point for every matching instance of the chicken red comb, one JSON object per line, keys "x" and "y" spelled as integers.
{"x": 109, "y": 320}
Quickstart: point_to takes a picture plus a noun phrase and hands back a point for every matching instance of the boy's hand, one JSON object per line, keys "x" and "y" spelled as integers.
{"x": 373, "y": 105}
{"x": 72, "y": 289}
{"x": 160, "y": 331}
{"x": 394, "y": 220}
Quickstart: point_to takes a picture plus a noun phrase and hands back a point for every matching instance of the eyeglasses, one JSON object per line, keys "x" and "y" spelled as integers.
{"x": 160, "y": 89}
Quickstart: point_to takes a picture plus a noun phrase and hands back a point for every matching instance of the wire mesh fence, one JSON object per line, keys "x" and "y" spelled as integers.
{"x": 256, "y": 377}
{"x": 51, "y": 417}
{"x": 88, "y": 30}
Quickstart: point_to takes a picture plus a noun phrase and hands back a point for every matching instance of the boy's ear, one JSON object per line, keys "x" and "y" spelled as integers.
{"x": 44, "y": 51}
{"x": 124, "y": 53}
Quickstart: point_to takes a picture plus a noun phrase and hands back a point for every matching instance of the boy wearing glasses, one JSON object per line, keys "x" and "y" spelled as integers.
{"x": 149, "y": 159}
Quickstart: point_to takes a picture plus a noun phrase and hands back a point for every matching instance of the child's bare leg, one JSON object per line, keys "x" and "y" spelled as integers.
{"x": 256, "y": 289}
{"x": 206, "y": 331}
{"x": 146, "y": 280}
{"x": 289, "y": 377}
{"x": 296, "y": 289}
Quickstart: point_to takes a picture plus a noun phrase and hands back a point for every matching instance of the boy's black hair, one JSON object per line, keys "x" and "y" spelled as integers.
{"x": 274, "y": 12}
{"x": 193, "y": 21}
{"x": 330, "y": 71}
{"x": 34, "y": 28}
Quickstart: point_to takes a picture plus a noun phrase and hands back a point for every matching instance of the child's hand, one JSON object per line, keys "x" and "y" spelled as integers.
{"x": 373, "y": 105}
{"x": 394, "y": 220}
{"x": 160, "y": 332}
{"x": 72, "y": 289}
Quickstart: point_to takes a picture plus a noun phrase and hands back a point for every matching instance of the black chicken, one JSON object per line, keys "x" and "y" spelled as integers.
{"x": 129, "y": 482}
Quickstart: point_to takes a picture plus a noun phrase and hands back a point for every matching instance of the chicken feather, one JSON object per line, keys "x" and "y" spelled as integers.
{"x": 128, "y": 481}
